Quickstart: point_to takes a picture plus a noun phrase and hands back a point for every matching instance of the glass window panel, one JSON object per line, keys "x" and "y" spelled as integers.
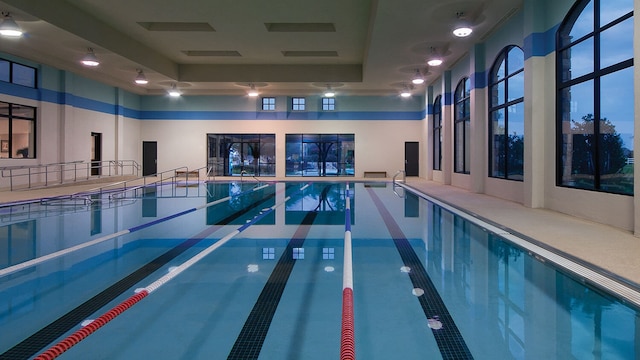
{"x": 515, "y": 142}
{"x": 436, "y": 149}
{"x": 515, "y": 60}
{"x": 498, "y": 94}
{"x": 583, "y": 25}
{"x": 437, "y": 112}
{"x": 467, "y": 147}
{"x": 516, "y": 86}
{"x": 4, "y": 109}
{"x": 616, "y": 44}
{"x": 459, "y": 112}
{"x": 4, "y": 137}
{"x": 5, "y": 71}
{"x": 24, "y": 75}
{"x": 293, "y": 155}
{"x": 581, "y": 60}
{"x": 500, "y": 72}
{"x": 467, "y": 108}
{"x": 459, "y": 147}
{"x": 613, "y": 9}
{"x": 26, "y": 112}
{"x": 498, "y": 149}
{"x": 616, "y": 132}
{"x": 467, "y": 87}
{"x": 23, "y": 136}
{"x": 578, "y": 168}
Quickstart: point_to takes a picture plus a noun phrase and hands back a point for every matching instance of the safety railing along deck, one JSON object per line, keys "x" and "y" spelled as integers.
{"x": 44, "y": 175}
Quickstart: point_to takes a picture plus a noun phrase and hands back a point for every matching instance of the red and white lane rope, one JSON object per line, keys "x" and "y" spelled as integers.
{"x": 71, "y": 340}
{"x": 41, "y": 259}
{"x": 347, "y": 338}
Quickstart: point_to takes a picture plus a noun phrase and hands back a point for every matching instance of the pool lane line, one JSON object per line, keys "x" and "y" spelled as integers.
{"x": 249, "y": 342}
{"x": 73, "y": 339}
{"x": 447, "y": 335}
{"x": 41, "y": 259}
{"x": 43, "y": 337}
{"x": 347, "y": 333}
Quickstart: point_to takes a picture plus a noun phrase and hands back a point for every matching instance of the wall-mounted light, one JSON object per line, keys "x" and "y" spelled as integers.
{"x": 90, "y": 59}
{"x": 462, "y": 27}
{"x": 417, "y": 78}
{"x": 252, "y": 91}
{"x": 8, "y": 27}
{"x": 140, "y": 78}
{"x": 174, "y": 92}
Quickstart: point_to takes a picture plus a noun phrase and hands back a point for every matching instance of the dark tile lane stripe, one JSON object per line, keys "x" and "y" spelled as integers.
{"x": 449, "y": 340}
{"x": 45, "y": 336}
{"x": 249, "y": 342}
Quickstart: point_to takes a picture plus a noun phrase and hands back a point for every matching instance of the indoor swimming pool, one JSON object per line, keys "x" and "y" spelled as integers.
{"x": 254, "y": 270}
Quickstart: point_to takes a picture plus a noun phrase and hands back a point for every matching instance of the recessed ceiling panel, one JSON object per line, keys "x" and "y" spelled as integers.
{"x": 176, "y": 26}
{"x": 300, "y": 27}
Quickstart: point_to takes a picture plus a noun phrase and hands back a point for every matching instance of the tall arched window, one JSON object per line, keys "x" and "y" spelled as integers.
{"x": 437, "y": 133}
{"x": 595, "y": 97}
{"x": 462, "y": 127}
{"x": 506, "y": 115}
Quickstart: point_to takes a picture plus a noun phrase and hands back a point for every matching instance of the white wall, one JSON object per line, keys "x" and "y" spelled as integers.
{"x": 379, "y": 144}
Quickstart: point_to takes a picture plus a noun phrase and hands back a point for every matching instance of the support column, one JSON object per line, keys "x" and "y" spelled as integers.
{"x": 478, "y": 105}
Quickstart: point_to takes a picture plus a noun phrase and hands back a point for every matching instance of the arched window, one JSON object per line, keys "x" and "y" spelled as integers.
{"x": 506, "y": 115}
{"x": 437, "y": 133}
{"x": 595, "y": 97}
{"x": 462, "y": 127}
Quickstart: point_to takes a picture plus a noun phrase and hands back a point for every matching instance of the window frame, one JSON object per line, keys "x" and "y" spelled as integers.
{"x": 504, "y": 105}
{"x": 328, "y": 104}
{"x": 298, "y": 103}
{"x": 268, "y": 103}
{"x": 11, "y": 117}
{"x": 437, "y": 133}
{"x": 464, "y": 88}
{"x": 595, "y": 76}
{"x": 11, "y": 74}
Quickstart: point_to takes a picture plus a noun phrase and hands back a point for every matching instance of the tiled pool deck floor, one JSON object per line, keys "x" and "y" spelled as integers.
{"x": 612, "y": 250}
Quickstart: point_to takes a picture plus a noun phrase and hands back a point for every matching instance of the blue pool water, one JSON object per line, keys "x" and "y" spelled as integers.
{"x": 427, "y": 282}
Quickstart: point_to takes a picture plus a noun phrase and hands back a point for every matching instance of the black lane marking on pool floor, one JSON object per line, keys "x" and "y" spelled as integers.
{"x": 45, "y": 336}
{"x": 449, "y": 340}
{"x": 249, "y": 342}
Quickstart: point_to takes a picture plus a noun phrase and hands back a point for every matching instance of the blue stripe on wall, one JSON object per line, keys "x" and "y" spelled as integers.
{"x": 280, "y": 115}
{"x": 100, "y": 106}
{"x": 540, "y": 44}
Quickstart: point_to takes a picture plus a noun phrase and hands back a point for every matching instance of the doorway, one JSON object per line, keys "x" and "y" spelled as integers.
{"x": 96, "y": 153}
{"x": 149, "y": 158}
{"x": 411, "y": 158}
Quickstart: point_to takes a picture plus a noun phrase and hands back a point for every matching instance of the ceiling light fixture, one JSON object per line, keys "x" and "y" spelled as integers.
{"x": 252, "y": 91}
{"x": 141, "y": 79}
{"x": 418, "y": 78}
{"x": 406, "y": 92}
{"x": 435, "y": 59}
{"x": 462, "y": 27}
{"x": 329, "y": 92}
{"x": 8, "y": 26}
{"x": 90, "y": 59}
{"x": 174, "y": 92}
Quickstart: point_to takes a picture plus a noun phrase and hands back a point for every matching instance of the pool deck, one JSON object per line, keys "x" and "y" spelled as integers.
{"x": 612, "y": 250}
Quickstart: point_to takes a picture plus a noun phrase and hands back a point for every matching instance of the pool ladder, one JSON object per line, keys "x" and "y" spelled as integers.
{"x": 395, "y": 183}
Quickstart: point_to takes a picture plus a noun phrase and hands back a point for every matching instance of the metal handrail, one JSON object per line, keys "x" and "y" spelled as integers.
{"x": 404, "y": 177}
{"x": 395, "y": 183}
{"x": 67, "y": 171}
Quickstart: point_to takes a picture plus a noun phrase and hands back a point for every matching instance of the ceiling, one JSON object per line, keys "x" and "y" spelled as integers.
{"x": 220, "y": 47}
